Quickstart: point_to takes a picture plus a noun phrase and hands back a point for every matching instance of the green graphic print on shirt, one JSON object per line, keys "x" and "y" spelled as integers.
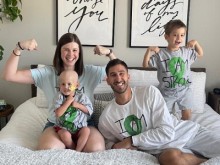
{"x": 130, "y": 121}
{"x": 132, "y": 125}
{"x": 177, "y": 68}
{"x": 67, "y": 119}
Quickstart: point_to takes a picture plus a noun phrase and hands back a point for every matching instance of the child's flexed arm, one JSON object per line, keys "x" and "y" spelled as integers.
{"x": 62, "y": 109}
{"x": 194, "y": 44}
{"x": 148, "y": 54}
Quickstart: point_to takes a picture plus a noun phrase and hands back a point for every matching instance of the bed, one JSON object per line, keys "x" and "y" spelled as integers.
{"x": 18, "y": 139}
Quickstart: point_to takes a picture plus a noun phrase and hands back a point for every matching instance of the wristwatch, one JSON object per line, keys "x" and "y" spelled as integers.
{"x": 109, "y": 52}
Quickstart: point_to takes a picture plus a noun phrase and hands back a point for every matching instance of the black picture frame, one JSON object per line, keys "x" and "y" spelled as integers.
{"x": 149, "y": 17}
{"x": 92, "y": 21}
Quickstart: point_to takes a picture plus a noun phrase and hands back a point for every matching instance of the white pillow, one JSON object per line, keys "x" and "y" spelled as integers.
{"x": 198, "y": 86}
{"x": 41, "y": 100}
{"x": 25, "y": 126}
{"x": 142, "y": 78}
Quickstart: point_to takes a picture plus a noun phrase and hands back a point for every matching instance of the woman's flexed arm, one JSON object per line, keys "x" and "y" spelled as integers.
{"x": 10, "y": 71}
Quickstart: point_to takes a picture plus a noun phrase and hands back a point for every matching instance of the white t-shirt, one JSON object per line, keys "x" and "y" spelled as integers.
{"x": 146, "y": 118}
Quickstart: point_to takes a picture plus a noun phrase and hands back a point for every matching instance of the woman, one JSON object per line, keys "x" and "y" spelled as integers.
{"x": 68, "y": 56}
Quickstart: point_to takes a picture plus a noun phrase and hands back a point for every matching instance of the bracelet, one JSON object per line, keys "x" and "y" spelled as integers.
{"x": 15, "y": 53}
{"x": 109, "y": 52}
{"x": 20, "y": 46}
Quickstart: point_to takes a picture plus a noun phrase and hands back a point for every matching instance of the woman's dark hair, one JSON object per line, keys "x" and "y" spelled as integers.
{"x": 173, "y": 24}
{"x": 58, "y": 62}
{"x": 114, "y": 62}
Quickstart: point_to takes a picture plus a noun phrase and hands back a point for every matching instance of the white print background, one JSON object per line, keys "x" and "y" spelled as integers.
{"x": 149, "y": 17}
{"x": 91, "y": 30}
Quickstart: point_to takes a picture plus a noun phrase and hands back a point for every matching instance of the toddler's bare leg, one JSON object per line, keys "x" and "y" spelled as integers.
{"x": 82, "y": 138}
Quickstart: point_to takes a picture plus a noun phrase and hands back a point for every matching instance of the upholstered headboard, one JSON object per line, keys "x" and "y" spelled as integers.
{"x": 34, "y": 89}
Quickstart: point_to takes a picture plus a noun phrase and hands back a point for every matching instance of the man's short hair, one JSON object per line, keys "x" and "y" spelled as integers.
{"x": 114, "y": 62}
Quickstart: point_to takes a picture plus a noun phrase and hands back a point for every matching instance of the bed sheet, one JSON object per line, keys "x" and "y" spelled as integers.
{"x": 209, "y": 118}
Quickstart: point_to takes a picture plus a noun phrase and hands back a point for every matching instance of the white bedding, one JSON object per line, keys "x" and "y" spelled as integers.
{"x": 14, "y": 155}
{"x": 19, "y": 138}
{"x": 209, "y": 119}
{"x": 18, "y": 141}
{"x": 25, "y": 125}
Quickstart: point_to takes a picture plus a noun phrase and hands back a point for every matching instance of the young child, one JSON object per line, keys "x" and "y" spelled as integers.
{"x": 72, "y": 110}
{"x": 173, "y": 67}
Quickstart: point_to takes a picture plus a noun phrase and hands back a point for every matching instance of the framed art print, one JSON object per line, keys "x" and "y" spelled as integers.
{"x": 148, "y": 18}
{"x": 91, "y": 21}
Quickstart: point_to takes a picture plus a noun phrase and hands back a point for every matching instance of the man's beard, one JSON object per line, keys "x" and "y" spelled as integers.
{"x": 120, "y": 91}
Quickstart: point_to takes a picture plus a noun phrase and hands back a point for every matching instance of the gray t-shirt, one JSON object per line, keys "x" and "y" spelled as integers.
{"x": 73, "y": 119}
{"x": 173, "y": 69}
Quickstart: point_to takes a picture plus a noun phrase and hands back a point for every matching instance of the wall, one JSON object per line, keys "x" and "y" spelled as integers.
{"x": 39, "y": 22}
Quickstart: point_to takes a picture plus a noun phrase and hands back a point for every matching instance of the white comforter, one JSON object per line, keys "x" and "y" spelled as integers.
{"x": 14, "y": 155}
{"x": 18, "y": 141}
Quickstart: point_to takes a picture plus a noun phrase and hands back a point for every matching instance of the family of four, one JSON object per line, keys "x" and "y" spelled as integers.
{"x": 139, "y": 118}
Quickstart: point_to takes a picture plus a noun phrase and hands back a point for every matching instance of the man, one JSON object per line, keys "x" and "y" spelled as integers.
{"x": 138, "y": 118}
